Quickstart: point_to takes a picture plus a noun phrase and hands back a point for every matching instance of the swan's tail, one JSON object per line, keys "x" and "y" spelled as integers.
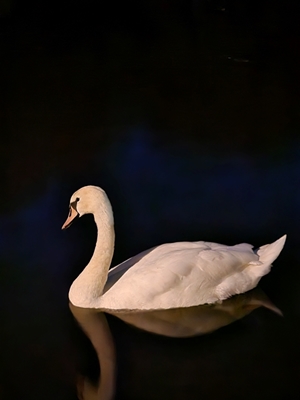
{"x": 267, "y": 254}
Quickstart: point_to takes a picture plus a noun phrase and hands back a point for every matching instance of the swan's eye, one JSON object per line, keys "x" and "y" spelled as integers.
{"x": 74, "y": 204}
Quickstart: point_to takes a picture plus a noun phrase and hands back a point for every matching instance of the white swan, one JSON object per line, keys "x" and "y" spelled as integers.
{"x": 172, "y": 275}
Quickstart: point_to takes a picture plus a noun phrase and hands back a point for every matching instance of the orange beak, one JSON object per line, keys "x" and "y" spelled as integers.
{"x": 72, "y": 215}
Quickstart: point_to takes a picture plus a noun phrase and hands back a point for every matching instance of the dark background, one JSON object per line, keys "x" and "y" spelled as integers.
{"x": 188, "y": 114}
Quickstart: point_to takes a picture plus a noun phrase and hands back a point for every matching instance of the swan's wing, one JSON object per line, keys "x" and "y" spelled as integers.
{"x": 115, "y": 273}
{"x": 175, "y": 275}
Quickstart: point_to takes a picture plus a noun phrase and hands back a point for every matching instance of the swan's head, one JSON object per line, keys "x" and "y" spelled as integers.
{"x": 89, "y": 200}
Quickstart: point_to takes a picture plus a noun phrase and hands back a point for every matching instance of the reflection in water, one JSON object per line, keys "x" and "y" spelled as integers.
{"x": 192, "y": 321}
{"x": 95, "y": 326}
{"x": 178, "y": 323}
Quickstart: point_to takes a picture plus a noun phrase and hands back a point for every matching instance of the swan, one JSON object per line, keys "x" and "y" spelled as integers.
{"x": 172, "y": 275}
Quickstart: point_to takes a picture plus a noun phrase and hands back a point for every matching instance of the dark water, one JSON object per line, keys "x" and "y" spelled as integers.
{"x": 240, "y": 349}
{"x": 187, "y": 114}
{"x": 234, "y": 361}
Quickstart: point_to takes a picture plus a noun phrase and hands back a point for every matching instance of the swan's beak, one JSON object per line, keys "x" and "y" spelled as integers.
{"x": 72, "y": 215}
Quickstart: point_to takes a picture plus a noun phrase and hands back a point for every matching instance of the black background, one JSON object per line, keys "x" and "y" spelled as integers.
{"x": 187, "y": 114}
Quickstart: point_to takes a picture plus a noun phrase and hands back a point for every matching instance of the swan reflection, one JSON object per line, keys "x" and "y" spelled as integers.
{"x": 177, "y": 323}
{"x": 199, "y": 320}
{"x": 95, "y": 326}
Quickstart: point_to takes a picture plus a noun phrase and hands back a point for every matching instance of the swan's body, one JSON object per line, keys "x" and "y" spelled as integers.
{"x": 172, "y": 275}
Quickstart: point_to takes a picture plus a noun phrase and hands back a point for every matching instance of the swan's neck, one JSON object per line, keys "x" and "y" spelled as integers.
{"x": 88, "y": 287}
